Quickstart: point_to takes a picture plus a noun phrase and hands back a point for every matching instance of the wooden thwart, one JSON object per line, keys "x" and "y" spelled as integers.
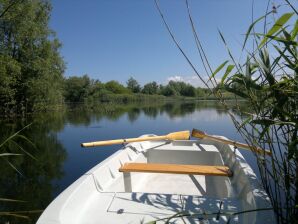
{"x": 176, "y": 169}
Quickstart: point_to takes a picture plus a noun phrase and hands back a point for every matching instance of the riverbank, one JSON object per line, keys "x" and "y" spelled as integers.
{"x": 108, "y": 101}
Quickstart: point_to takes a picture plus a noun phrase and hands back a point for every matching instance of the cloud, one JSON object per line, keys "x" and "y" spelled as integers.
{"x": 193, "y": 80}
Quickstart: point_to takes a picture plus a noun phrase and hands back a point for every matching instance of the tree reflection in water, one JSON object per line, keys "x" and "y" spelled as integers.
{"x": 35, "y": 182}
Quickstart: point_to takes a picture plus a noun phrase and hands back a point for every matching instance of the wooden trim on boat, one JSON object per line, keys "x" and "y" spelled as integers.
{"x": 176, "y": 169}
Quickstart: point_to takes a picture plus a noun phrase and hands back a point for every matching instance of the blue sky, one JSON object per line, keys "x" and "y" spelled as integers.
{"x": 116, "y": 39}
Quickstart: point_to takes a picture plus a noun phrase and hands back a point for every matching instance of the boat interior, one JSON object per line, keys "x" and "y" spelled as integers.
{"x": 144, "y": 197}
{"x": 163, "y": 183}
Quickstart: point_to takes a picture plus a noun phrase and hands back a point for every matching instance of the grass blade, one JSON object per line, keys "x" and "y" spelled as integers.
{"x": 218, "y": 69}
{"x": 12, "y": 166}
{"x": 276, "y": 27}
{"x": 14, "y": 135}
{"x": 25, "y": 151}
{"x": 10, "y": 154}
{"x": 11, "y": 200}
{"x": 228, "y": 70}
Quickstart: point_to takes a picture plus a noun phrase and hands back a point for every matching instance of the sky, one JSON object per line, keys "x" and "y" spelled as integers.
{"x": 117, "y": 39}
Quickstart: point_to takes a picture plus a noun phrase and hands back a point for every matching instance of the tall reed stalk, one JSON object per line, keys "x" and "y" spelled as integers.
{"x": 268, "y": 81}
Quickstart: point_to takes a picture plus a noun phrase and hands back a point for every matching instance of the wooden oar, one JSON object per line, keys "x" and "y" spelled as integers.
{"x": 181, "y": 135}
{"x": 200, "y": 134}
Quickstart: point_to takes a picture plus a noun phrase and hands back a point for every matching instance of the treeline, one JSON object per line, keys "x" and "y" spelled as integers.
{"x": 82, "y": 89}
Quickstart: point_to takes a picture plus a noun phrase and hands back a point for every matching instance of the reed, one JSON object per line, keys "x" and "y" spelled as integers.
{"x": 268, "y": 81}
{"x": 10, "y": 147}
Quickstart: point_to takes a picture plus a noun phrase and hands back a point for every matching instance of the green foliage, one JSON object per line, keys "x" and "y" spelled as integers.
{"x": 268, "y": 84}
{"x": 133, "y": 85}
{"x": 150, "y": 88}
{"x": 115, "y": 87}
{"x": 10, "y": 70}
{"x": 276, "y": 27}
{"x": 85, "y": 90}
{"x": 268, "y": 81}
{"x": 179, "y": 89}
{"x": 169, "y": 91}
{"x": 77, "y": 88}
{"x": 31, "y": 67}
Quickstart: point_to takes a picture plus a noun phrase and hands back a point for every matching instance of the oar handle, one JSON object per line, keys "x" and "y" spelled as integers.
{"x": 122, "y": 141}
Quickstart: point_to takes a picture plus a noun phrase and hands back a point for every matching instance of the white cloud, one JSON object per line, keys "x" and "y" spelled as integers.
{"x": 193, "y": 80}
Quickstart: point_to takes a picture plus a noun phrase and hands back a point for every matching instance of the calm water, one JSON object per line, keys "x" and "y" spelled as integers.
{"x": 57, "y": 136}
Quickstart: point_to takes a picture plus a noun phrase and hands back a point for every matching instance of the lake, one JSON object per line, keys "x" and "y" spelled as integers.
{"x": 56, "y": 158}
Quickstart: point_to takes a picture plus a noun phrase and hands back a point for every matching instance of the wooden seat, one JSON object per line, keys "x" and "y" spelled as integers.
{"x": 176, "y": 169}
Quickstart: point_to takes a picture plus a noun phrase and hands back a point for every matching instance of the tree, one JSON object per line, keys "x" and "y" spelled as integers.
{"x": 115, "y": 87}
{"x": 150, "y": 88}
{"x": 31, "y": 67}
{"x": 188, "y": 90}
{"x": 133, "y": 85}
{"x": 179, "y": 89}
{"x": 168, "y": 91}
{"x": 77, "y": 88}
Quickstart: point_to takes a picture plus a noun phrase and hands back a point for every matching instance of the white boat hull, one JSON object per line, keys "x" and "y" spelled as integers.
{"x": 104, "y": 195}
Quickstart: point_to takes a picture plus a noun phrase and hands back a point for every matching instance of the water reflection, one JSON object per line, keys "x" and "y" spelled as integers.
{"x": 81, "y": 115}
{"x": 57, "y": 136}
{"x": 34, "y": 183}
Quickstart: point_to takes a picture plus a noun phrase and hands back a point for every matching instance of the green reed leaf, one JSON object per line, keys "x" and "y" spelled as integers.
{"x": 228, "y": 71}
{"x": 247, "y": 120}
{"x": 14, "y": 135}
{"x": 276, "y": 27}
{"x": 279, "y": 39}
{"x": 250, "y": 28}
{"x": 295, "y": 31}
{"x": 14, "y": 215}
{"x": 228, "y": 49}
{"x": 10, "y": 154}
{"x": 218, "y": 69}
{"x": 11, "y": 200}
{"x": 22, "y": 149}
{"x": 13, "y": 167}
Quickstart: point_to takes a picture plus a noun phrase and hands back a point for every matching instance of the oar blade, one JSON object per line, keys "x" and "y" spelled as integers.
{"x": 180, "y": 135}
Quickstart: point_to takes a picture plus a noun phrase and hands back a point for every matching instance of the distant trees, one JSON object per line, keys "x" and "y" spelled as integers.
{"x": 115, "y": 87}
{"x": 31, "y": 67}
{"x": 77, "y": 88}
{"x": 168, "y": 91}
{"x": 179, "y": 89}
{"x": 150, "y": 88}
{"x": 133, "y": 85}
{"x": 81, "y": 89}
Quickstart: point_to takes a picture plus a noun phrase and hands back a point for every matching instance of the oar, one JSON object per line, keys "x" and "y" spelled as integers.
{"x": 200, "y": 134}
{"x": 181, "y": 135}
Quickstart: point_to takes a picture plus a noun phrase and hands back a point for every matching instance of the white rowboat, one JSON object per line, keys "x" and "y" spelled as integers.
{"x": 105, "y": 195}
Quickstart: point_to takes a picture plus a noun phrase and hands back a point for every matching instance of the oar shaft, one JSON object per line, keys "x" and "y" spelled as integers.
{"x": 121, "y": 141}
{"x": 238, "y": 144}
{"x": 200, "y": 134}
